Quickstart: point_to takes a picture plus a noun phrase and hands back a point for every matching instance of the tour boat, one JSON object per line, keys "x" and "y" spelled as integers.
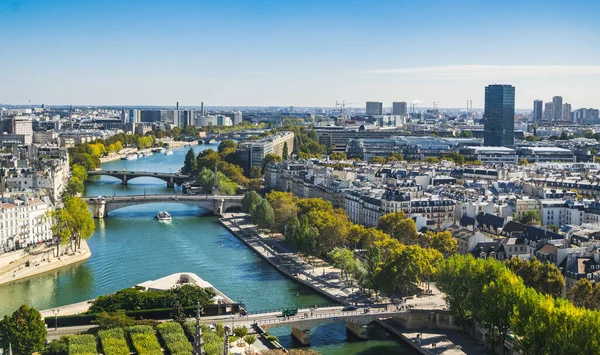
{"x": 169, "y": 152}
{"x": 163, "y": 216}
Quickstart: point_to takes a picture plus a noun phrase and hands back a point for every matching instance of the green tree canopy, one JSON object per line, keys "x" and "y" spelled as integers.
{"x": 264, "y": 216}
{"x": 545, "y": 277}
{"x": 190, "y": 164}
{"x": 82, "y": 223}
{"x": 337, "y": 156}
{"x": 400, "y": 227}
{"x": 25, "y": 330}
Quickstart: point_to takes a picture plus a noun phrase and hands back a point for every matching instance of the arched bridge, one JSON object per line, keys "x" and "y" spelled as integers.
{"x": 215, "y": 203}
{"x": 125, "y": 176}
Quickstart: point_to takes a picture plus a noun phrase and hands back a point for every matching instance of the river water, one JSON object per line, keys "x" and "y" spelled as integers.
{"x": 131, "y": 247}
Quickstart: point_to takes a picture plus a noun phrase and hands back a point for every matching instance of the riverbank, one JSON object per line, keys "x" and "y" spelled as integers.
{"x": 123, "y": 153}
{"x": 41, "y": 262}
{"x": 318, "y": 275}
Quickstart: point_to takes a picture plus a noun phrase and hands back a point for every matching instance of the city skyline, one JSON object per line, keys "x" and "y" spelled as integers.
{"x": 264, "y": 53}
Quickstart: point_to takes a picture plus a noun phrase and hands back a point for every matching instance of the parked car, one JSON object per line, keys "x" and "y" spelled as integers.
{"x": 349, "y": 308}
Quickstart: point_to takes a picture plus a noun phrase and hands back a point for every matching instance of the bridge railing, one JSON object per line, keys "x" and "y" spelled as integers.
{"x": 334, "y": 315}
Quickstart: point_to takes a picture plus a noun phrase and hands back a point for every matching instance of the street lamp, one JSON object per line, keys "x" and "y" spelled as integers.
{"x": 55, "y": 312}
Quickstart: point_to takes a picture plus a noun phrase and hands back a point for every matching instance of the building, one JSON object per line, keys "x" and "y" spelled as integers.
{"x": 149, "y": 116}
{"x": 237, "y": 117}
{"x": 399, "y": 108}
{"x": 548, "y": 111}
{"x": 547, "y": 154}
{"x": 499, "y": 116}
{"x": 23, "y": 223}
{"x": 374, "y": 108}
{"x": 251, "y": 154}
{"x": 557, "y": 112}
{"x": 567, "y": 112}
{"x": 538, "y": 107}
{"x": 494, "y": 155}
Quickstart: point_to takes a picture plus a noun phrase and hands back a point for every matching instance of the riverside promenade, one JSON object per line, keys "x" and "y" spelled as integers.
{"x": 40, "y": 262}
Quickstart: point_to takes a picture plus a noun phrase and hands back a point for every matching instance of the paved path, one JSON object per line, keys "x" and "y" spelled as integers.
{"x": 17, "y": 270}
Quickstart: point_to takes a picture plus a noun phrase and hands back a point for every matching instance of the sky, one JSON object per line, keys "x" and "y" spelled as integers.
{"x": 297, "y": 53}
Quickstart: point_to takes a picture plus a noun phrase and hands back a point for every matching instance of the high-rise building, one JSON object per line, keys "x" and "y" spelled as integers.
{"x": 538, "y": 106}
{"x": 566, "y": 112}
{"x": 557, "y": 112}
{"x": 399, "y": 108}
{"x": 374, "y": 108}
{"x": 548, "y": 111}
{"x": 237, "y": 117}
{"x": 499, "y": 116}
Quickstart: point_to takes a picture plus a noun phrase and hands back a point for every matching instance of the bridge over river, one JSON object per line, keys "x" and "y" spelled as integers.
{"x": 215, "y": 203}
{"x": 125, "y": 175}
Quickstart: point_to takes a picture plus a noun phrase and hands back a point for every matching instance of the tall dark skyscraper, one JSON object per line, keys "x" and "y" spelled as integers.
{"x": 538, "y": 111}
{"x": 499, "y": 116}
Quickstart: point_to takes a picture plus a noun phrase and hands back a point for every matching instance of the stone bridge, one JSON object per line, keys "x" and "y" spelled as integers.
{"x": 125, "y": 176}
{"x": 215, "y": 203}
{"x": 356, "y": 321}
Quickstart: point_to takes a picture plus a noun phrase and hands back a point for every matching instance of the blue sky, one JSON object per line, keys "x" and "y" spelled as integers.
{"x": 301, "y": 53}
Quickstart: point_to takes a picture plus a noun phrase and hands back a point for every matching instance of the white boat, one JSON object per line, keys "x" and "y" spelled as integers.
{"x": 163, "y": 150}
{"x": 131, "y": 157}
{"x": 163, "y": 216}
{"x": 169, "y": 152}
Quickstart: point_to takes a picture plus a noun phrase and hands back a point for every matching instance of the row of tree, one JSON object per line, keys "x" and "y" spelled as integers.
{"x": 394, "y": 254}
{"x": 490, "y": 293}
{"x": 71, "y": 223}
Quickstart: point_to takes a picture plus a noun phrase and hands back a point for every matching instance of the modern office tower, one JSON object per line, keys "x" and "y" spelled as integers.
{"x": 185, "y": 118}
{"x": 202, "y": 108}
{"x": 399, "y": 108}
{"x": 566, "y": 108}
{"x": 557, "y": 112}
{"x": 237, "y": 117}
{"x": 177, "y": 106}
{"x": 538, "y": 107}
{"x": 548, "y": 111}
{"x": 133, "y": 116}
{"x": 499, "y": 116}
{"x": 374, "y": 108}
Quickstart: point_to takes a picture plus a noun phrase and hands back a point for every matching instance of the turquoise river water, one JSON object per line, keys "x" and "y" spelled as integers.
{"x": 130, "y": 247}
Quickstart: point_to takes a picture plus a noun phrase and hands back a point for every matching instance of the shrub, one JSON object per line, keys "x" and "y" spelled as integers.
{"x": 240, "y": 331}
{"x": 144, "y": 340}
{"x": 174, "y": 338}
{"x": 84, "y": 344}
{"x": 113, "y": 342}
{"x": 250, "y": 339}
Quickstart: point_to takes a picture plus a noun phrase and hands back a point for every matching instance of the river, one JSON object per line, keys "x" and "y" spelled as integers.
{"x": 130, "y": 247}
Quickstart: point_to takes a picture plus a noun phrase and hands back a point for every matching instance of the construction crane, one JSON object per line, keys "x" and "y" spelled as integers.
{"x": 342, "y": 105}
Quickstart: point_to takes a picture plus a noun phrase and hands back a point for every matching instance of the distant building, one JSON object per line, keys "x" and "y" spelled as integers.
{"x": 499, "y": 116}
{"x": 538, "y": 107}
{"x": 548, "y": 111}
{"x": 374, "y": 108}
{"x": 237, "y": 117}
{"x": 399, "y": 108}
{"x": 557, "y": 112}
{"x": 566, "y": 112}
{"x": 149, "y": 116}
{"x": 252, "y": 153}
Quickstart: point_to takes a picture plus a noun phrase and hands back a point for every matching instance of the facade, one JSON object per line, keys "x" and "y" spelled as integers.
{"x": 557, "y": 112}
{"x": 251, "y": 154}
{"x": 547, "y": 154}
{"x": 561, "y": 212}
{"x": 494, "y": 155}
{"x": 567, "y": 112}
{"x": 23, "y": 223}
{"x": 399, "y": 108}
{"x": 499, "y": 116}
{"x": 538, "y": 107}
{"x": 237, "y": 117}
{"x": 548, "y": 111}
{"x": 374, "y": 108}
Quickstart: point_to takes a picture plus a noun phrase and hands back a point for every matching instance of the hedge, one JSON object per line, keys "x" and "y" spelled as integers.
{"x": 84, "y": 344}
{"x": 113, "y": 342}
{"x": 144, "y": 340}
{"x": 174, "y": 338}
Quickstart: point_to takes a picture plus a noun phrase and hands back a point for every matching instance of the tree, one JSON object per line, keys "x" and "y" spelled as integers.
{"x": 343, "y": 259}
{"x": 372, "y": 267}
{"x": 530, "y": 217}
{"x": 499, "y": 297}
{"x": 545, "y": 277}
{"x": 400, "y": 227}
{"x": 264, "y": 216}
{"x": 208, "y": 159}
{"x": 523, "y": 161}
{"x": 432, "y": 160}
{"x": 337, "y": 156}
{"x": 285, "y": 152}
{"x": 270, "y": 158}
{"x": 377, "y": 160}
{"x": 190, "y": 131}
{"x": 441, "y": 241}
{"x": 25, "y": 330}
{"x": 307, "y": 205}
{"x": 117, "y": 319}
{"x": 82, "y": 223}
{"x": 394, "y": 156}
{"x": 74, "y": 187}
{"x": 466, "y": 134}
{"x": 284, "y": 206}
{"x": 553, "y": 228}
{"x": 584, "y": 294}
{"x": 190, "y": 165}
{"x": 332, "y": 227}
{"x": 61, "y": 227}
{"x": 250, "y": 201}
{"x": 457, "y": 158}
{"x": 227, "y": 144}
{"x": 177, "y": 313}
{"x": 79, "y": 172}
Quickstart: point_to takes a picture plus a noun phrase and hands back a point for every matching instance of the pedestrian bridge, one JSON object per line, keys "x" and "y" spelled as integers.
{"x": 218, "y": 204}
{"x": 125, "y": 176}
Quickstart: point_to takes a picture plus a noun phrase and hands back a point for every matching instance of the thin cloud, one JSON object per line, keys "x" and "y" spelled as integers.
{"x": 491, "y": 71}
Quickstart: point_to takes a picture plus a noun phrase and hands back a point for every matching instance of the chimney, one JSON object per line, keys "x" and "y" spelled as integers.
{"x": 177, "y": 106}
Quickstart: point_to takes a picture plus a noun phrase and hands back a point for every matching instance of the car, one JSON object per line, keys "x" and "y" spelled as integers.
{"x": 349, "y": 309}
